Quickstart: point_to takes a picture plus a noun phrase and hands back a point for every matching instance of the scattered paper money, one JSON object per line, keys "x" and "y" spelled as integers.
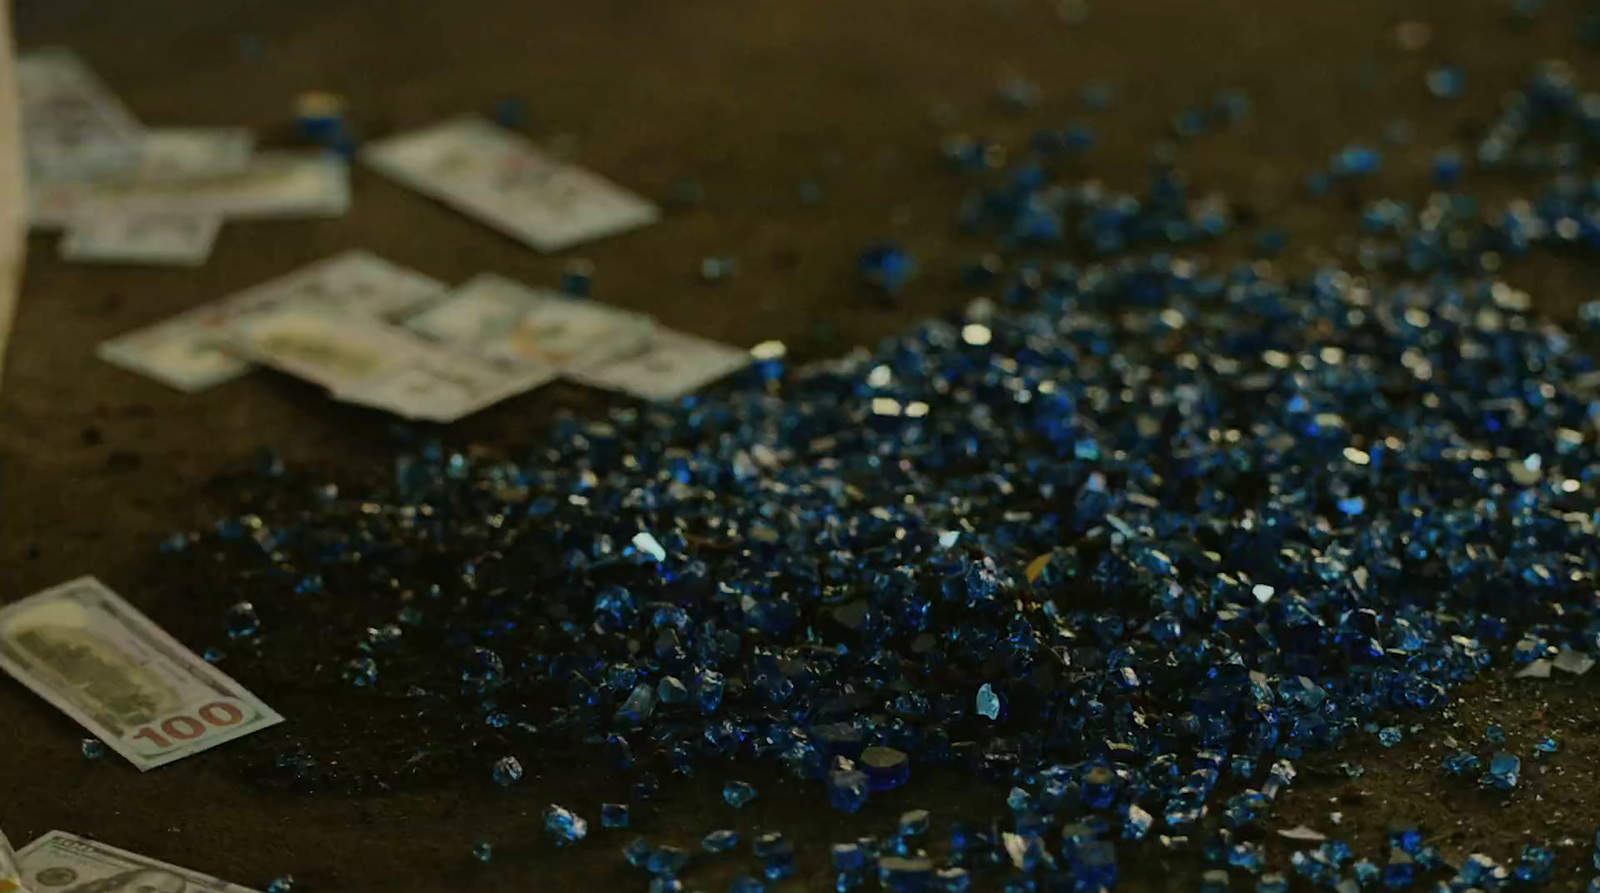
{"x": 360, "y": 360}
{"x": 666, "y": 366}
{"x": 93, "y": 656}
{"x": 188, "y": 352}
{"x": 275, "y": 184}
{"x": 184, "y": 153}
{"x": 65, "y": 863}
{"x": 158, "y": 239}
{"x": 495, "y": 317}
{"x": 10, "y": 873}
{"x": 73, "y": 127}
{"x": 502, "y": 179}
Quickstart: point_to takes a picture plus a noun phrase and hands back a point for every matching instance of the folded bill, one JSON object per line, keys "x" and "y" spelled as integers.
{"x": 67, "y": 863}
{"x": 500, "y": 178}
{"x": 155, "y": 239}
{"x": 666, "y": 366}
{"x": 361, "y": 360}
{"x": 10, "y": 874}
{"x": 72, "y": 126}
{"x": 93, "y": 656}
{"x": 178, "y": 153}
{"x": 496, "y": 317}
{"x": 274, "y": 184}
{"x": 188, "y": 351}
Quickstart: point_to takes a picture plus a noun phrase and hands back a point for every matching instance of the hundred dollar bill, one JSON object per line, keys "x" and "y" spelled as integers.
{"x": 97, "y": 659}
{"x": 65, "y": 863}
{"x": 10, "y": 874}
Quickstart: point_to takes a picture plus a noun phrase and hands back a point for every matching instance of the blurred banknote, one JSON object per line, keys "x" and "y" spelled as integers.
{"x": 84, "y": 649}
{"x": 666, "y": 366}
{"x": 502, "y": 179}
{"x": 10, "y": 874}
{"x": 361, "y": 360}
{"x": 151, "y": 238}
{"x": 498, "y": 318}
{"x": 186, "y": 152}
{"x": 274, "y": 184}
{"x": 65, "y": 863}
{"x": 72, "y": 126}
{"x": 188, "y": 351}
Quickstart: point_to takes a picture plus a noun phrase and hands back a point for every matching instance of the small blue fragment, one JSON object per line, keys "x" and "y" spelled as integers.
{"x": 614, "y": 815}
{"x": 565, "y": 826}
{"x": 720, "y": 841}
{"x": 507, "y": 771}
{"x": 738, "y": 793}
{"x": 93, "y": 748}
{"x": 482, "y": 850}
{"x": 988, "y": 702}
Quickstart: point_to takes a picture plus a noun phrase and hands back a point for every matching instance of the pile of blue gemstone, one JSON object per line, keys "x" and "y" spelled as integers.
{"x": 1126, "y": 538}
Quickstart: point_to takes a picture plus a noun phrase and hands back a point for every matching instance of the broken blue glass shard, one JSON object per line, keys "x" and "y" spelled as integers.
{"x": 362, "y": 672}
{"x": 901, "y": 874}
{"x": 482, "y": 849}
{"x": 1272, "y": 882}
{"x": 1546, "y": 745}
{"x": 886, "y": 768}
{"x": 951, "y": 880}
{"x": 848, "y": 857}
{"x": 243, "y": 623}
{"x": 564, "y": 826}
{"x": 1462, "y": 763}
{"x": 1400, "y": 872}
{"x": 1366, "y": 872}
{"x": 914, "y": 823}
{"x": 1504, "y": 771}
{"x": 1136, "y": 825}
{"x": 848, "y": 789}
{"x": 614, "y": 815}
{"x": 637, "y": 708}
{"x": 988, "y": 702}
{"x": 1494, "y": 734}
{"x": 637, "y": 852}
{"x": 667, "y": 861}
{"x": 1389, "y": 736}
{"x": 93, "y": 749}
{"x": 738, "y": 793}
{"x": 1537, "y": 865}
{"x": 720, "y": 841}
{"x": 887, "y": 266}
{"x": 507, "y": 771}
{"x": 776, "y": 854}
{"x": 1214, "y": 881}
{"x": 1404, "y": 836}
{"x": 282, "y": 884}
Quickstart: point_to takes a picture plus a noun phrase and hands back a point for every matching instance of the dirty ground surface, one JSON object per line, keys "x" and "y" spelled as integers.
{"x": 750, "y": 100}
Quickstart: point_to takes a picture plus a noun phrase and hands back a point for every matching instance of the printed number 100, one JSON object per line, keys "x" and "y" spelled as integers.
{"x": 180, "y": 728}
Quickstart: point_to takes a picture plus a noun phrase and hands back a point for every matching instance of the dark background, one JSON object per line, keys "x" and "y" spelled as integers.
{"x": 750, "y": 100}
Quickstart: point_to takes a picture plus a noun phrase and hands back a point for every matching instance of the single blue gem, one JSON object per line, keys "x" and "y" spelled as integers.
{"x": 988, "y": 702}
{"x": 1447, "y": 168}
{"x": 914, "y": 823}
{"x": 1494, "y": 734}
{"x": 637, "y": 852}
{"x": 1447, "y": 82}
{"x": 242, "y": 621}
{"x": 952, "y": 880}
{"x": 284, "y": 884}
{"x": 849, "y": 857}
{"x": 1137, "y": 824}
{"x": 1214, "y": 881}
{"x": 670, "y": 690}
{"x": 482, "y": 850}
{"x": 1504, "y": 769}
{"x": 1389, "y": 736}
{"x": 772, "y": 844}
{"x": 614, "y": 815}
{"x": 1478, "y": 870}
{"x": 746, "y": 884}
{"x": 507, "y": 771}
{"x": 848, "y": 789}
{"x": 720, "y": 841}
{"x": 1272, "y": 882}
{"x": 1537, "y": 865}
{"x": 899, "y": 874}
{"x": 1367, "y": 872}
{"x": 1401, "y": 872}
{"x": 1404, "y": 836}
{"x": 1461, "y": 763}
{"x": 667, "y": 861}
{"x": 640, "y": 704}
{"x": 665, "y": 884}
{"x": 738, "y": 793}
{"x": 886, "y": 768}
{"x": 214, "y": 655}
{"x": 886, "y": 266}
{"x": 362, "y": 672}
{"x": 564, "y": 825}
{"x": 93, "y": 748}
{"x": 1099, "y": 787}
{"x": 1547, "y": 745}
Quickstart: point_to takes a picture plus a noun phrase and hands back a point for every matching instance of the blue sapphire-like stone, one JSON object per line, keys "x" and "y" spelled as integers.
{"x": 720, "y": 841}
{"x": 738, "y": 793}
{"x": 614, "y": 815}
{"x": 886, "y": 768}
{"x": 848, "y": 789}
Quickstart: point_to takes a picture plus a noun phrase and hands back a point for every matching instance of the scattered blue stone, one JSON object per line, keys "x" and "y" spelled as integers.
{"x": 1366, "y": 872}
{"x": 776, "y": 855}
{"x": 243, "y": 623}
{"x": 283, "y": 884}
{"x": 1504, "y": 769}
{"x": 849, "y": 857}
{"x": 848, "y": 789}
{"x": 1447, "y": 82}
{"x": 93, "y": 749}
{"x": 1547, "y": 745}
{"x": 1272, "y": 882}
{"x": 637, "y": 852}
{"x": 1462, "y": 763}
{"x": 507, "y": 771}
{"x": 886, "y": 266}
{"x": 886, "y": 768}
{"x": 720, "y": 841}
{"x": 1137, "y": 823}
{"x": 746, "y": 884}
{"x": 482, "y": 850}
{"x": 1448, "y": 167}
{"x": 1404, "y": 836}
{"x": 667, "y": 861}
{"x": 1401, "y": 872}
{"x": 988, "y": 702}
{"x": 1494, "y": 734}
{"x": 914, "y": 823}
{"x": 1389, "y": 736}
{"x": 577, "y": 278}
{"x": 718, "y": 269}
{"x": 564, "y": 826}
{"x": 1537, "y": 865}
{"x": 738, "y": 793}
{"x": 900, "y": 874}
{"x": 614, "y": 815}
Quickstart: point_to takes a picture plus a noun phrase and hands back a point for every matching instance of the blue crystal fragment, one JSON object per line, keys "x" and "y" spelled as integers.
{"x": 913, "y": 823}
{"x": 848, "y": 857}
{"x": 282, "y": 884}
{"x": 1536, "y": 866}
{"x": 887, "y": 266}
{"x": 1404, "y": 836}
{"x": 1504, "y": 769}
{"x": 848, "y": 789}
{"x": 243, "y": 623}
{"x": 1494, "y": 734}
{"x": 507, "y": 771}
{"x": 1272, "y": 882}
{"x": 1401, "y": 872}
{"x": 1137, "y": 823}
{"x": 720, "y": 841}
{"x": 614, "y": 815}
{"x": 1367, "y": 872}
{"x": 900, "y": 874}
{"x": 564, "y": 826}
{"x": 886, "y": 768}
{"x": 637, "y": 852}
{"x": 951, "y": 880}
{"x": 667, "y": 861}
{"x": 738, "y": 793}
{"x": 92, "y": 748}
{"x": 1461, "y": 763}
{"x": 988, "y": 702}
{"x": 1215, "y": 881}
{"x": 482, "y": 850}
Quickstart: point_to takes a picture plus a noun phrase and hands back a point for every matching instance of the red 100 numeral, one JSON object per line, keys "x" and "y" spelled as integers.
{"x": 186, "y": 728}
